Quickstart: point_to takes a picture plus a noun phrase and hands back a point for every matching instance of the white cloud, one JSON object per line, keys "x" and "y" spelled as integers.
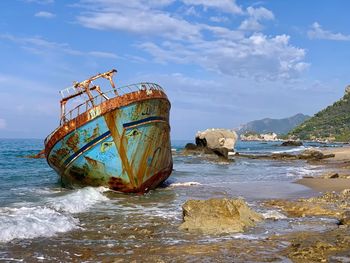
{"x": 148, "y": 23}
{"x": 169, "y": 37}
{"x": 3, "y": 124}
{"x": 317, "y": 32}
{"x": 44, "y": 14}
{"x": 38, "y": 45}
{"x": 101, "y": 54}
{"x": 258, "y": 56}
{"x": 228, "y": 6}
{"x": 191, "y": 11}
{"x": 255, "y": 16}
{"x": 218, "y": 19}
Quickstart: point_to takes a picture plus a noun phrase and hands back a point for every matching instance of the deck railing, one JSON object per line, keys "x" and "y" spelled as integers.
{"x": 88, "y": 104}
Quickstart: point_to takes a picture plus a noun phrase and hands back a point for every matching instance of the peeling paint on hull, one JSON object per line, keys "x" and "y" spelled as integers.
{"x": 122, "y": 143}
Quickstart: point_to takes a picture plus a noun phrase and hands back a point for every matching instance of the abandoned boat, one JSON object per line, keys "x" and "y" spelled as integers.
{"x": 119, "y": 138}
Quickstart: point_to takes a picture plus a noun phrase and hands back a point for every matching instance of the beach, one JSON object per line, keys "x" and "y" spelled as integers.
{"x": 40, "y": 221}
{"x": 338, "y": 166}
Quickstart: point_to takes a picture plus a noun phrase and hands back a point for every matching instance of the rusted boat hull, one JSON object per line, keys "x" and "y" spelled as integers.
{"x": 123, "y": 144}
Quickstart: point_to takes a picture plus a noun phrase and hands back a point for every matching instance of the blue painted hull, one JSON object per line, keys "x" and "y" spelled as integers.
{"x": 126, "y": 149}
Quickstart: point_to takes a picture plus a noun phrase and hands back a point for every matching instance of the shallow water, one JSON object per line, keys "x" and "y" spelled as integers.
{"x": 41, "y": 221}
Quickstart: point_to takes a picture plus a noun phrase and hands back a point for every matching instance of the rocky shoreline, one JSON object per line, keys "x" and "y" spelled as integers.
{"x": 331, "y": 200}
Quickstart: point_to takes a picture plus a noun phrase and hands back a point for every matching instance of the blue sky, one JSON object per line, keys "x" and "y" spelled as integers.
{"x": 222, "y": 62}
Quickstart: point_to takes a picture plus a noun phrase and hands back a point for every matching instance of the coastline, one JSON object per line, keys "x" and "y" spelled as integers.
{"x": 299, "y": 224}
{"x": 332, "y": 202}
{"x": 336, "y": 176}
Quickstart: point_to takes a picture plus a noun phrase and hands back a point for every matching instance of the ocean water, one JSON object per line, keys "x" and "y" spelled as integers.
{"x": 40, "y": 221}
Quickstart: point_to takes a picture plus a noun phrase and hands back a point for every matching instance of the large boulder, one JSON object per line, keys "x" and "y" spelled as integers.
{"x": 216, "y": 138}
{"x": 216, "y": 216}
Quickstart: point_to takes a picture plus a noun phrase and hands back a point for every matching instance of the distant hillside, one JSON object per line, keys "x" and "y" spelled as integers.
{"x": 332, "y": 123}
{"x": 278, "y": 126}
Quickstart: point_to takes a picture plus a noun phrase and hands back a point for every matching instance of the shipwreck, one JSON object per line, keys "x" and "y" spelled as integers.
{"x": 118, "y": 138}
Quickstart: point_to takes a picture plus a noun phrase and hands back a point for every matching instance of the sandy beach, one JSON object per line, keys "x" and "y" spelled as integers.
{"x": 324, "y": 185}
{"x": 341, "y": 154}
{"x": 336, "y": 166}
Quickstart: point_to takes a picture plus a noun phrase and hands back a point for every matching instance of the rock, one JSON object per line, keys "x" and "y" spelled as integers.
{"x": 345, "y": 218}
{"x": 312, "y": 154}
{"x": 201, "y": 142}
{"x": 328, "y": 204}
{"x": 300, "y": 208}
{"x": 191, "y": 147}
{"x": 216, "y": 141}
{"x": 221, "y": 152}
{"x": 333, "y": 176}
{"x": 216, "y": 138}
{"x": 345, "y": 192}
{"x": 292, "y": 143}
{"x": 216, "y": 216}
{"x": 310, "y": 246}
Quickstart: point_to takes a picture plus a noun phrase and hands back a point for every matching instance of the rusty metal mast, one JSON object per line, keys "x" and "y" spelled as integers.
{"x": 84, "y": 87}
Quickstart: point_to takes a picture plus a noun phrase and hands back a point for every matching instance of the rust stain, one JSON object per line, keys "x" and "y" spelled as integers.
{"x": 95, "y": 134}
{"x": 155, "y": 180}
{"x": 118, "y": 184}
{"x": 143, "y": 165}
{"x": 78, "y": 173}
{"x": 120, "y": 141}
{"x": 73, "y": 142}
{"x": 58, "y": 155}
{"x": 91, "y": 161}
{"x": 62, "y": 152}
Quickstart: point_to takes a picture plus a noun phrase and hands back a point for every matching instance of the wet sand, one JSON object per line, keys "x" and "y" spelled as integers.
{"x": 324, "y": 185}
{"x": 341, "y": 154}
{"x": 340, "y": 163}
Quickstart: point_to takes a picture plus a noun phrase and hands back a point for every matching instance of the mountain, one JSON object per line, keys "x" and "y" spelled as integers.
{"x": 331, "y": 123}
{"x": 278, "y": 126}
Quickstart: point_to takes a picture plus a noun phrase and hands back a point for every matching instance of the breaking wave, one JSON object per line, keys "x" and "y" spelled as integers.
{"x": 52, "y": 217}
{"x": 78, "y": 201}
{"x": 293, "y": 150}
{"x": 31, "y": 222}
{"x": 300, "y": 172}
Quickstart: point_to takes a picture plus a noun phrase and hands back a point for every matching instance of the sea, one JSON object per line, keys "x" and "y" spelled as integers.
{"x": 42, "y": 222}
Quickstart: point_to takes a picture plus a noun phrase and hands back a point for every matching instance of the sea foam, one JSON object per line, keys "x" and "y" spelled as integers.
{"x": 54, "y": 216}
{"x": 273, "y": 214}
{"x": 31, "y": 222}
{"x": 184, "y": 184}
{"x": 78, "y": 201}
{"x": 293, "y": 150}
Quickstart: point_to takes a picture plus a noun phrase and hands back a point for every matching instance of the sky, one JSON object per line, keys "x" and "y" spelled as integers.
{"x": 222, "y": 62}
